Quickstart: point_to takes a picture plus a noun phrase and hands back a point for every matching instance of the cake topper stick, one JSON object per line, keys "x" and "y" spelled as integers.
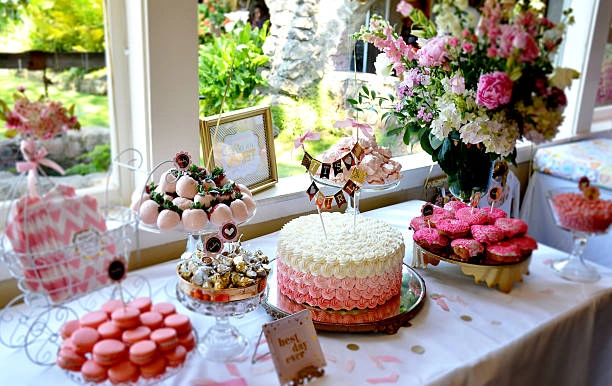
{"x": 494, "y": 195}
{"x": 322, "y": 222}
{"x": 229, "y": 79}
{"x": 116, "y": 272}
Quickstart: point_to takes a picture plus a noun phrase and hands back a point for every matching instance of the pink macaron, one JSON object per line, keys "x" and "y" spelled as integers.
{"x": 153, "y": 369}
{"x": 177, "y": 356}
{"x": 123, "y": 372}
{"x": 70, "y": 360}
{"x": 187, "y": 341}
{"x": 135, "y": 334}
{"x": 164, "y": 308}
{"x": 111, "y": 306}
{"x": 166, "y": 338}
{"x": 93, "y": 319}
{"x": 109, "y": 352}
{"x": 110, "y": 330}
{"x": 93, "y": 372}
{"x": 152, "y": 319}
{"x": 143, "y": 352}
{"x": 84, "y": 339}
{"x": 68, "y": 328}
{"x": 126, "y": 317}
{"x": 143, "y": 303}
{"x": 179, "y": 322}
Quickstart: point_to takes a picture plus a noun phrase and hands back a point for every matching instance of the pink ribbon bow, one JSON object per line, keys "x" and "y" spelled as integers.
{"x": 34, "y": 158}
{"x": 364, "y": 127}
{"x": 307, "y": 136}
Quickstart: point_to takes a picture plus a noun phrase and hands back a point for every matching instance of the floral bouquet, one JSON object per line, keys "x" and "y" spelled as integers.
{"x": 41, "y": 119}
{"x": 472, "y": 85}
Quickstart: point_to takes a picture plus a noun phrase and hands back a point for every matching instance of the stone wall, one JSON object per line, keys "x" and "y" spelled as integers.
{"x": 309, "y": 38}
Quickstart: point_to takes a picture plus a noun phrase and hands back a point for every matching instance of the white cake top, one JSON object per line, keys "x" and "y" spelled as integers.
{"x": 363, "y": 248}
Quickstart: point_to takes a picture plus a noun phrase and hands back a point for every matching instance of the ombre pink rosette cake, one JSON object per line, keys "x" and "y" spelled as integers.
{"x": 357, "y": 266}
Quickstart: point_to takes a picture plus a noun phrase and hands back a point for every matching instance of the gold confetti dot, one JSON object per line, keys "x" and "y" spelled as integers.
{"x": 417, "y": 349}
{"x": 352, "y": 346}
{"x": 466, "y": 318}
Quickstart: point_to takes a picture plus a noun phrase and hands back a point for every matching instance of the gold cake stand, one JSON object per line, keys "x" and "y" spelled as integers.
{"x": 502, "y": 275}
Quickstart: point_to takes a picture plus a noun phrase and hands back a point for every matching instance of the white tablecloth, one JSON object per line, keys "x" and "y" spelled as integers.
{"x": 547, "y": 331}
{"x": 536, "y": 213}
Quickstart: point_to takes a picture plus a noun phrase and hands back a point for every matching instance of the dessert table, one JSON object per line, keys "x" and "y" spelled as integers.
{"x": 545, "y": 331}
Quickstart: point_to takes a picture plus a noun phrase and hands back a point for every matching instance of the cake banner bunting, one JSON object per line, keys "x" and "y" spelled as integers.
{"x": 349, "y": 160}
{"x": 325, "y": 202}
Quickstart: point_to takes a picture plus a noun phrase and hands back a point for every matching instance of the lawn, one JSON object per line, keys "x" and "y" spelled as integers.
{"x": 92, "y": 110}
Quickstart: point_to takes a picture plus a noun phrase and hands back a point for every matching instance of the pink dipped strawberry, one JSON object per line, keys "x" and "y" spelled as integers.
{"x": 220, "y": 214}
{"x": 206, "y": 200}
{"x": 168, "y": 219}
{"x": 207, "y": 184}
{"x": 240, "y": 212}
{"x": 138, "y": 197}
{"x": 187, "y": 187}
{"x": 244, "y": 190}
{"x": 218, "y": 175}
{"x": 250, "y": 204}
{"x": 194, "y": 219}
{"x": 182, "y": 202}
{"x": 167, "y": 181}
{"x": 148, "y": 212}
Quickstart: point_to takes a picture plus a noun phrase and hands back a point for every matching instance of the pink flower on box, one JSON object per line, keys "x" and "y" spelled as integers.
{"x": 494, "y": 90}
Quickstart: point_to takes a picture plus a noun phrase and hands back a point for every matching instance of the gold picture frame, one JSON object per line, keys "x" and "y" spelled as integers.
{"x": 243, "y": 146}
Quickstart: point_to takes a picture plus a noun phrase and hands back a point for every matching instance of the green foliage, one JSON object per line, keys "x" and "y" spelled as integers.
{"x": 10, "y": 12}
{"x": 212, "y": 17}
{"x": 95, "y": 161}
{"x": 243, "y": 47}
{"x": 66, "y": 25}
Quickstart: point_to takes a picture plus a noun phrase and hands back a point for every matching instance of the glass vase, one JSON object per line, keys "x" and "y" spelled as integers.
{"x": 468, "y": 168}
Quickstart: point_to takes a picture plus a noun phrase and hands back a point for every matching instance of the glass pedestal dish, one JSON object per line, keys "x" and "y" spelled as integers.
{"x": 583, "y": 222}
{"x": 222, "y": 342}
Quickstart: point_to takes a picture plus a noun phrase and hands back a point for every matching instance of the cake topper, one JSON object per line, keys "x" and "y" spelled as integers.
{"x": 494, "y": 194}
{"x": 183, "y": 160}
{"x": 584, "y": 183}
{"x": 116, "y": 272}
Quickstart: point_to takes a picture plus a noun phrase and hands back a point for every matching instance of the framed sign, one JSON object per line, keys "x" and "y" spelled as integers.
{"x": 243, "y": 145}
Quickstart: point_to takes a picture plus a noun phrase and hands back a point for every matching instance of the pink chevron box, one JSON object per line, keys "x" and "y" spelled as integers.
{"x": 61, "y": 243}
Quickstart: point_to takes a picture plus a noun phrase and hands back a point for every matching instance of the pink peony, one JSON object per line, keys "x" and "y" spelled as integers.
{"x": 494, "y": 90}
{"x": 434, "y": 52}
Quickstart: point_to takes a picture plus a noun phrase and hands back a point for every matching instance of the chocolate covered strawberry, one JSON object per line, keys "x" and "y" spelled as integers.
{"x": 187, "y": 187}
{"x": 194, "y": 219}
{"x": 220, "y": 214}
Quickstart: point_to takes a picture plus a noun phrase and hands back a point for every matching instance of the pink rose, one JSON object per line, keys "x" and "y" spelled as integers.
{"x": 529, "y": 51}
{"x": 494, "y": 90}
{"x": 434, "y": 52}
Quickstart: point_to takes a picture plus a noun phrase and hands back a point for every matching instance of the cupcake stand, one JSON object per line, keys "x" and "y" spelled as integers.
{"x": 60, "y": 281}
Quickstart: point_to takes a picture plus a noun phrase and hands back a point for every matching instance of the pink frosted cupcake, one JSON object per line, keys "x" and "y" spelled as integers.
{"x": 495, "y": 213}
{"x": 432, "y": 241}
{"x": 504, "y": 252}
{"x": 454, "y": 205}
{"x": 526, "y": 244}
{"x": 420, "y": 222}
{"x": 453, "y": 228}
{"x": 466, "y": 249}
{"x": 512, "y": 227}
{"x": 473, "y": 216}
{"x": 487, "y": 234}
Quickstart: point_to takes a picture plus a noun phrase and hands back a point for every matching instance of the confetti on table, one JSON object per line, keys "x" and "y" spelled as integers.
{"x": 495, "y": 322}
{"x": 352, "y": 346}
{"x": 547, "y": 291}
{"x": 349, "y": 366}
{"x": 440, "y": 301}
{"x": 466, "y": 318}
{"x": 331, "y": 358}
{"x": 390, "y": 379}
{"x": 232, "y": 369}
{"x": 459, "y": 300}
{"x": 377, "y": 363}
{"x": 388, "y": 358}
{"x": 546, "y": 261}
{"x": 417, "y": 349}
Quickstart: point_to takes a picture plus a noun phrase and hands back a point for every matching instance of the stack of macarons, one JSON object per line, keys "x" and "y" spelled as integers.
{"x": 124, "y": 343}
